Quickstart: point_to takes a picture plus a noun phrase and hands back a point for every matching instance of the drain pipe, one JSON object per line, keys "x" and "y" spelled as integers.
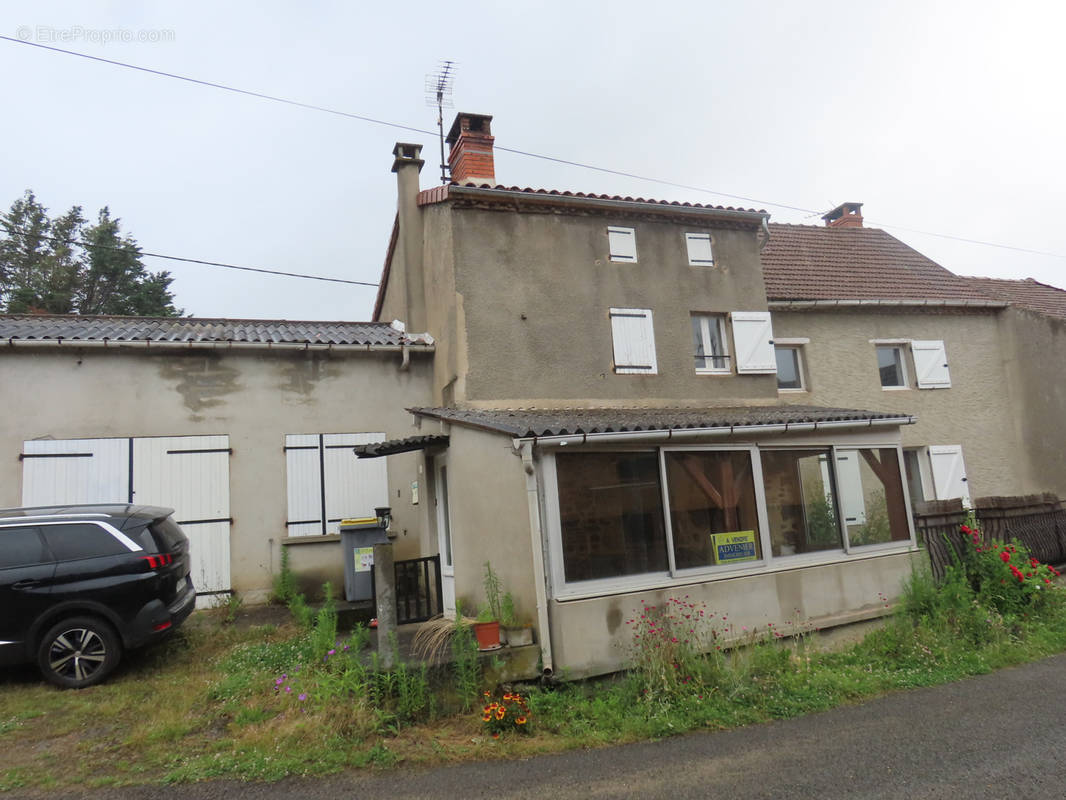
{"x": 537, "y": 545}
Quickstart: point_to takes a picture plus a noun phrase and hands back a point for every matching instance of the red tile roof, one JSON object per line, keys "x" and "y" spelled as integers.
{"x": 807, "y": 262}
{"x": 439, "y": 194}
{"x": 1027, "y": 293}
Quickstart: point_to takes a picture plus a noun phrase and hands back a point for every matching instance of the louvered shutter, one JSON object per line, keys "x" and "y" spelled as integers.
{"x": 753, "y": 338}
{"x": 634, "y": 341}
{"x": 931, "y": 364}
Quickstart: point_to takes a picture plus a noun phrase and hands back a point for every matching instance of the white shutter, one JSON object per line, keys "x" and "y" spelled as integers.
{"x": 699, "y": 249}
{"x": 753, "y": 340}
{"x": 75, "y": 471}
{"x": 191, "y": 475}
{"x": 623, "y": 244}
{"x": 949, "y": 472}
{"x": 931, "y": 364}
{"x": 303, "y": 477}
{"x": 354, "y": 486}
{"x": 634, "y": 341}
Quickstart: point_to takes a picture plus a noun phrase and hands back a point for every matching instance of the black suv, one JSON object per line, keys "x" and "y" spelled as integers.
{"x": 79, "y": 584}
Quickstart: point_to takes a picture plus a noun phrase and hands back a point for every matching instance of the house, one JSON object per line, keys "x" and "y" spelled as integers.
{"x": 245, "y": 427}
{"x": 606, "y": 379}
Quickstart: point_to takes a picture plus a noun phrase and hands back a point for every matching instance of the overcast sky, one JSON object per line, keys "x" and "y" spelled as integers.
{"x": 941, "y": 117}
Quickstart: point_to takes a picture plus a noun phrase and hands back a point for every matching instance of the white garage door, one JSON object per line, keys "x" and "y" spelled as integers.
{"x": 187, "y": 473}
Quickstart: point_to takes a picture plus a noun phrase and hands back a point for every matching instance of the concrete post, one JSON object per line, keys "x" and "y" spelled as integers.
{"x": 385, "y": 584}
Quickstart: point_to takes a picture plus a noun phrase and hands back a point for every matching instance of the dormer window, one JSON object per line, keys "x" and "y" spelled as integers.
{"x": 622, "y": 243}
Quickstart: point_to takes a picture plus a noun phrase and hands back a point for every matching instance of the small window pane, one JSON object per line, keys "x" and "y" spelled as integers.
{"x": 610, "y": 505}
{"x": 710, "y": 493}
{"x": 81, "y": 541}
{"x": 800, "y": 505}
{"x": 875, "y": 513}
{"x": 788, "y": 368}
{"x": 708, "y": 338}
{"x": 21, "y": 547}
{"x": 890, "y": 365}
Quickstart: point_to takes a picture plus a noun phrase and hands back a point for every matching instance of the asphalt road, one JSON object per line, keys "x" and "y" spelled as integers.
{"x": 995, "y": 736}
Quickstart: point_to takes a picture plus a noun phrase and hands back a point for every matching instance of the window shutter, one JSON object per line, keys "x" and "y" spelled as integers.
{"x": 699, "y": 249}
{"x": 623, "y": 244}
{"x": 931, "y": 364}
{"x": 949, "y": 473}
{"x": 753, "y": 340}
{"x": 634, "y": 341}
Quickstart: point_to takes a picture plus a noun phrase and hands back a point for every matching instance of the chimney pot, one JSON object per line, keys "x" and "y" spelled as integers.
{"x": 846, "y": 215}
{"x": 407, "y": 153}
{"x": 470, "y": 158}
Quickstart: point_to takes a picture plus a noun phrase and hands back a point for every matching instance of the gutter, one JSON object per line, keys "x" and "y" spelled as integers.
{"x": 784, "y": 305}
{"x": 607, "y": 205}
{"x": 686, "y": 434}
{"x": 146, "y": 344}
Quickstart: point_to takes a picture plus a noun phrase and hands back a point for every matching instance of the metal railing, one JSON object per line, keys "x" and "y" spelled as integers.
{"x": 418, "y": 590}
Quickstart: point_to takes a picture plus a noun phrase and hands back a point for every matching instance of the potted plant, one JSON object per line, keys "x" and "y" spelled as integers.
{"x": 487, "y": 625}
{"x": 517, "y": 633}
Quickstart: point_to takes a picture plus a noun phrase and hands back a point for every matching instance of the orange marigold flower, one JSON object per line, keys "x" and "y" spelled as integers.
{"x": 501, "y": 713}
{"x": 486, "y": 718}
{"x": 520, "y": 721}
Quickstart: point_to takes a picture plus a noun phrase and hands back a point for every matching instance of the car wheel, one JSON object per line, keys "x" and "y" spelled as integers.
{"x": 78, "y": 652}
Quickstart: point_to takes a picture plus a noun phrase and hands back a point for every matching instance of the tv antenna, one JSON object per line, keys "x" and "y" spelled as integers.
{"x": 439, "y": 94}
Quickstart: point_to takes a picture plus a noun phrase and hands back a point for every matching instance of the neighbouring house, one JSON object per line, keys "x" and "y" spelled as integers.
{"x": 245, "y": 427}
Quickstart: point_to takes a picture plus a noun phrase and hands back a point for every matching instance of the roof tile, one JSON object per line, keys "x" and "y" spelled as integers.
{"x": 1027, "y": 293}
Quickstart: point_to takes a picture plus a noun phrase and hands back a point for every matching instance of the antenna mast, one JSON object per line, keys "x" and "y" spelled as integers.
{"x": 439, "y": 93}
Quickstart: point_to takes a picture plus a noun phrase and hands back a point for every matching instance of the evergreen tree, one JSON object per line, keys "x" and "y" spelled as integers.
{"x": 66, "y": 266}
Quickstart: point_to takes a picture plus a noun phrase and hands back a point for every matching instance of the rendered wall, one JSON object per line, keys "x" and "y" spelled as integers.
{"x": 980, "y": 411}
{"x": 592, "y": 637}
{"x": 536, "y": 289}
{"x": 1036, "y": 375}
{"x": 254, "y": 397}
{"x": 490, "y": 519}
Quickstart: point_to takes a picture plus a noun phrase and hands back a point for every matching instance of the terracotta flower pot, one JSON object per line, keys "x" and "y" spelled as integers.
{"x": 488, "y": 635}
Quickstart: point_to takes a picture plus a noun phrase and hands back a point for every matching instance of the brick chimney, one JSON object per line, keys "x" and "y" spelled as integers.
{"x": 470, "y": 158}
{"x": 846, "y": 215}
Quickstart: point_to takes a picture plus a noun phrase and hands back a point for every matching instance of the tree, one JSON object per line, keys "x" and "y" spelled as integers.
{"x": 66, "y": 266}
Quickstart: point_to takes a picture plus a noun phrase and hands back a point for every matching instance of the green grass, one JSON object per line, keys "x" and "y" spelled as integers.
{"x": 212, "y": 703}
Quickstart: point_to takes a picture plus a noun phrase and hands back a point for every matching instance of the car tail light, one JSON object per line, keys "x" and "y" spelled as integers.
{"x": 161, "y": 560}
{"x": 162, "y": 626}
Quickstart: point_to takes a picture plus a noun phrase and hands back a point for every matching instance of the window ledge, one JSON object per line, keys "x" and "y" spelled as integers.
{"x": 779, "y": 564}
{"x": 314, "y": 538}
{"x": 895, "y": 388}
{"x": 792, "y": 391}
{"x": 719, "y": 372}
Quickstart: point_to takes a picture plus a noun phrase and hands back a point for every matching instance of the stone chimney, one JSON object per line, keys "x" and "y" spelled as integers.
{"x": 406, "y": 271}
{"x": 470, "y": 158}
{"x": 846, "y": 215}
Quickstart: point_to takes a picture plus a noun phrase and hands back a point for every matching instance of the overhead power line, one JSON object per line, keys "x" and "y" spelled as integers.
{"x": 553, "y": 159}
{"x": 145, "y": 253}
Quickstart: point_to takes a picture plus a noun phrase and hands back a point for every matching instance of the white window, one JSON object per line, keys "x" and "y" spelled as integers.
{"x": 327, "y": 483}
{"x": 709, "y": 342}
{"x": 753, "y": 339}
{"x": 700, "y": 253}
{"x": 891, "y": 366}
{"x": 930, "y": 365}
{"x": 789, "y": 367}
{"x": 634, "y": 341}
{"x": 623, "y": 244}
